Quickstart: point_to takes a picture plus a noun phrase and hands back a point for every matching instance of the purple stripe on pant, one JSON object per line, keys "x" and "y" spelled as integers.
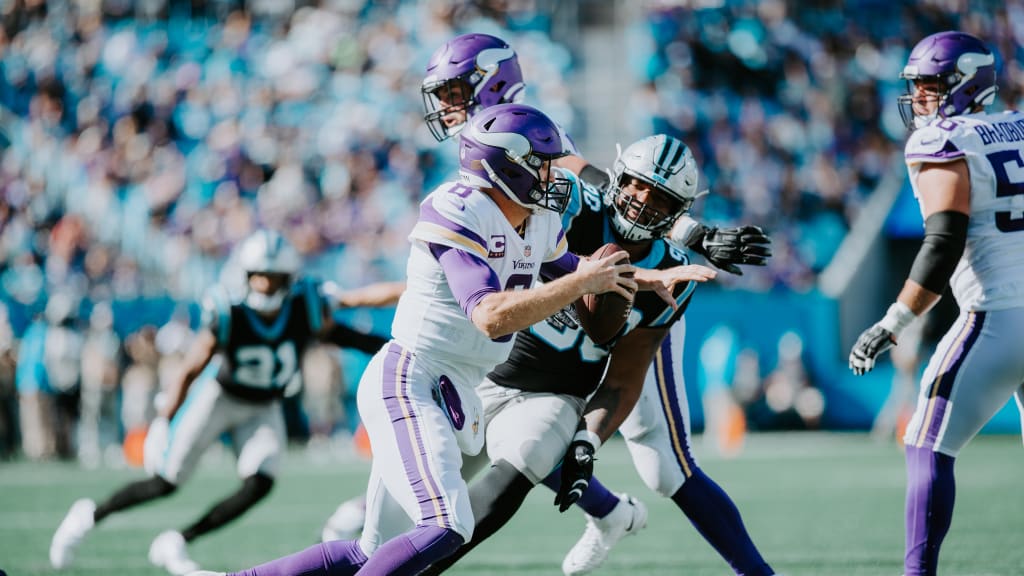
{"x": 665, "y": 378}
{"x": 941, "y": 388}
{"x": 406, "y": 424}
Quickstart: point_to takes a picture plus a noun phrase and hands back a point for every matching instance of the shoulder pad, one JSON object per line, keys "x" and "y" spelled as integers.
{"x": 593, "y": 197}
{"x": 934, "y": 143}
{"x": 450, "y": 218}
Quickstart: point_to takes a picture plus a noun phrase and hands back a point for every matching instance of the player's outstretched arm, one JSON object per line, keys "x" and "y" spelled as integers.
{"x": 198, "y": 356}
{"x": 725, "y": 248}
{"x": 344, "y": 336}
{"x": 377, "y": 295}
{"x": 158, "y": 434}
{"x": 508, "y": 311}
{"x": 332, "y": 297}
{"x": 663, "y": 281}
{"x": 945, "y": 196}
{"x": 574, "y": 163}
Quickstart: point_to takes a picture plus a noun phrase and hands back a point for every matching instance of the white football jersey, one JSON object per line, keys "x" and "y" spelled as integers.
{"x": 429, "y": 319}
{"x": 990, "y": 275}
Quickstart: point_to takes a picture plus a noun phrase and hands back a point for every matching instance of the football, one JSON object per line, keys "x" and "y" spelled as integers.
{"x": 603, "y": 315}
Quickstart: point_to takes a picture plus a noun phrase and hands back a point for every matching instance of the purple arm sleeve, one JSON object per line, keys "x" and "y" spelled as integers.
{"x": 565, "y": 264}
{"x": 469, "y": 277}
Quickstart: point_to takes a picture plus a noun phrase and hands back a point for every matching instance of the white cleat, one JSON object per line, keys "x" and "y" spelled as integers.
{"x": 69, "y": 534}
{"x": 347, "y": 521}
{"x": 601, "y": 534}
{"x": 168, "y": 552}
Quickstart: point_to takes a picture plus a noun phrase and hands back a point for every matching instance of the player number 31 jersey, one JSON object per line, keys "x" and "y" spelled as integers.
{"x": 261, "y": 355}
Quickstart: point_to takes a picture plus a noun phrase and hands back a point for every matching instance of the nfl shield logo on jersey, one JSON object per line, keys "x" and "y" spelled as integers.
{"x": 527, "y": 250}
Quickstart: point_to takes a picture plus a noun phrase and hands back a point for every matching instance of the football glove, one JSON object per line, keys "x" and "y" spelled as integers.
{"x": 869, "y": 345}
{"x": 879, "y": 337}
{"x": 155, "y": 445}
{"x": 727, "y": 247}
{"x": 577, "y": 469}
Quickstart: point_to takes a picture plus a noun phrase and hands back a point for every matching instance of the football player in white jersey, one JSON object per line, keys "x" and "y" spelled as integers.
{"x": 260, "y": 340}
{"x": 967, "y": 170}
{"x": 478, "y": 248}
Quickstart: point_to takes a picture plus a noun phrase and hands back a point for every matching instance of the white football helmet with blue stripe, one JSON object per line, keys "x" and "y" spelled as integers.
{"x": 665, "y": 163}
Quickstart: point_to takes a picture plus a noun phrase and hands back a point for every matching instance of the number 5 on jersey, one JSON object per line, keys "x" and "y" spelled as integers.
{"x": 1009, "y": 170}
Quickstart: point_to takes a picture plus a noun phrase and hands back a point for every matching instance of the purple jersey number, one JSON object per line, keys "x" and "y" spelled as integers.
{"x": 519, "y": 282}
{"x": 516, "y": 282}
{"x": 1007, "y": 184}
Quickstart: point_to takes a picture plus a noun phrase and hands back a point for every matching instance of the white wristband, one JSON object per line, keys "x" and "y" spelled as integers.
{"x": 588, "y": 436}
{"x": 898, "y": 317}
{"x": 684, "y": 231}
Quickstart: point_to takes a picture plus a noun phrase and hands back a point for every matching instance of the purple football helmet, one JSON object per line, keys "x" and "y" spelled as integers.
{"x": 469, "y": 72}
{"x": 505, "y": 147}
{"x": 963, "y": 66}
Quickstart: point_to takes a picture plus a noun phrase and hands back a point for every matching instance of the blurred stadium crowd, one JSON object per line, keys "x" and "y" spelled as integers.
{"x": 791, "y": 106}
{"x": 139, "y": 141}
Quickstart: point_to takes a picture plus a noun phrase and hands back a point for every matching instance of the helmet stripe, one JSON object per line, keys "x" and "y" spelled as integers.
{"x": 664, "y": 167}
{"x": 659, "y": 165}
{"x": 672, "y": 168}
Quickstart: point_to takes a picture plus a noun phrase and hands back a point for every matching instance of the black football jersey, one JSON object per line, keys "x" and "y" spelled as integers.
{"x": 555, "y": 355}
{"x": 260, "y": 356}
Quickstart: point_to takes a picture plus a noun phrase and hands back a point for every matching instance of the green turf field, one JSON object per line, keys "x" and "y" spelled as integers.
{"x": 816, "y": 504}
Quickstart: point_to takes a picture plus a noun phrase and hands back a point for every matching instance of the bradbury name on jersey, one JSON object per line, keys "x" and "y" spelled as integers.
{"x": 1001, "y": 132}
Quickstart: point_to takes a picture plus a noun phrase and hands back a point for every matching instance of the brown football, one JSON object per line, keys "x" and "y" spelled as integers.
{"x": 603, "y": 315}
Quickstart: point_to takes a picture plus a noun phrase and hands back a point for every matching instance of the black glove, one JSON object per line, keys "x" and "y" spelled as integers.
{"x": 577, "y": 469}
{"x": 869, "y": 345}
{"x": 565, "y": 318}
{"x": 727, "y": 247}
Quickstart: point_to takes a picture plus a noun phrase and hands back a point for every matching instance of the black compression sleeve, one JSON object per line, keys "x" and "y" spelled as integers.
{"x": 945, "y": 235}
{"x": 595, "y": 177}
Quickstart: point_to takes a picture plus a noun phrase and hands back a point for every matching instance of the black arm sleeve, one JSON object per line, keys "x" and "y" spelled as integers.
{"x": 346, "y": 337}
{"x": 595, "y": 177}
{"x": 945, "y": 235}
